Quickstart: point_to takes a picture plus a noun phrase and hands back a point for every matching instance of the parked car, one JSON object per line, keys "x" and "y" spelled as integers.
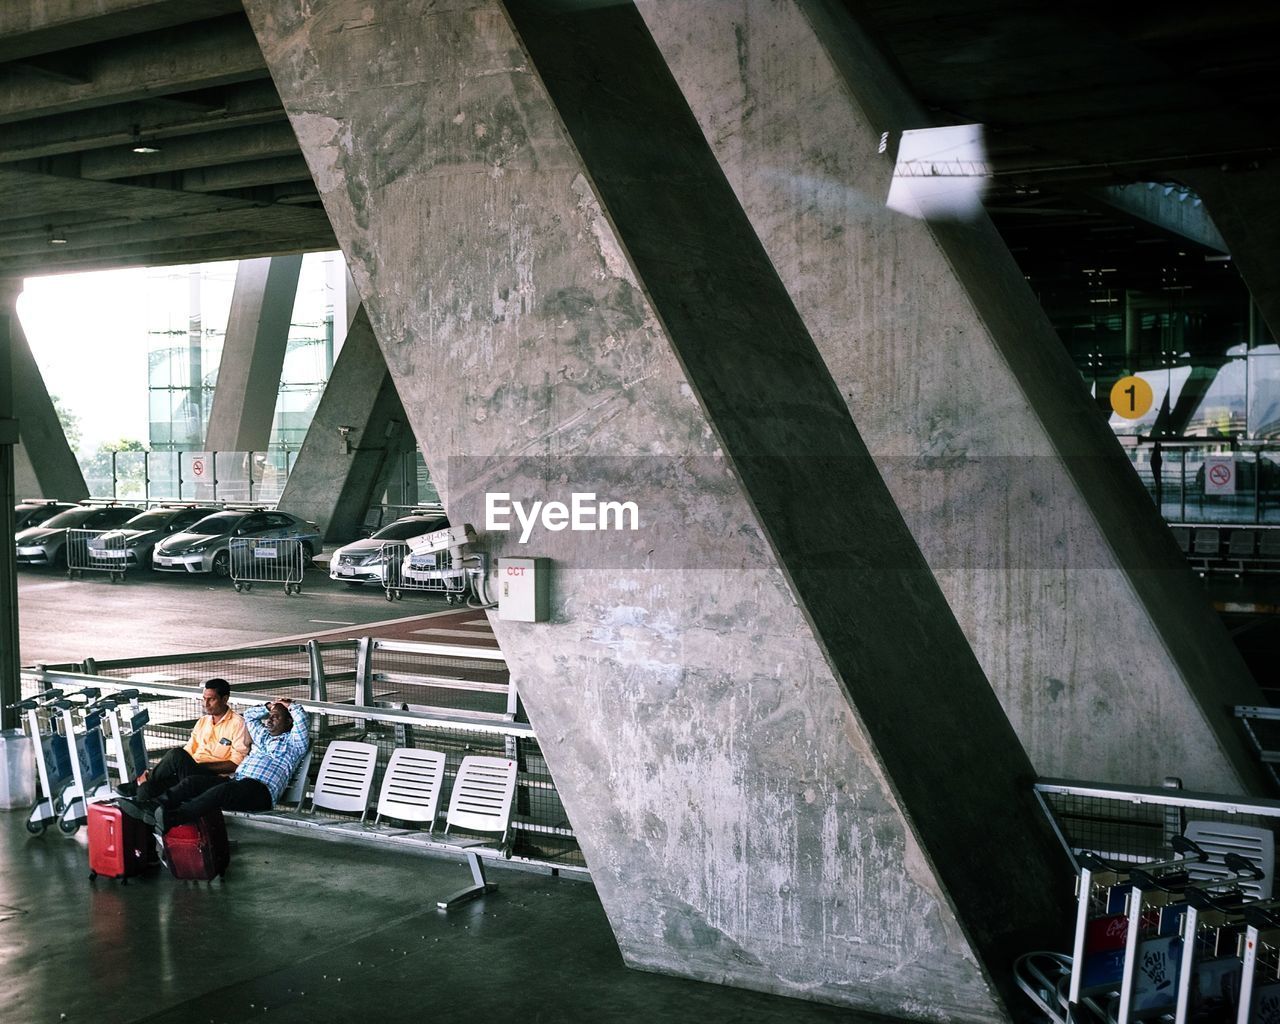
{"x": 34, "y": 511}
{"x": 205, "y": 545}
{"x": 131, "y": 545}
{"x": 46, "y": 544}
{"x": 365, "y": 561}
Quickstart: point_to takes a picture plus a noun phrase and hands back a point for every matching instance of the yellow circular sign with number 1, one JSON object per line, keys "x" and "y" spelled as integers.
{"x": 1131, "y": 397}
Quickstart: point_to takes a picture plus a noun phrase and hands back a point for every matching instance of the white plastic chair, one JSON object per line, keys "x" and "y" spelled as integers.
{"x": 480, "y": 802}
{"x": 346, "y": 776}
{"x": 295, "y": 791}
{"x": 1218, "y": 838}
{"x": 411, "y": 786}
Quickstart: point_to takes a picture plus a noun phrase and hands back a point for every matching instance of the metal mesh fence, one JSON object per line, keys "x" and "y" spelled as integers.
{"x": 1135, "y": 826}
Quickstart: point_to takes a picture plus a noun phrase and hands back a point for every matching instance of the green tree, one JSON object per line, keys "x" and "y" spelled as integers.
{"x": 70, "y": 422}
{"x": 130, "y": 479}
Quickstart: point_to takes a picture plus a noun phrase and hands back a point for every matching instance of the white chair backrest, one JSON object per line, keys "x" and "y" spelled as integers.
{"x": 296, "y": 791}
{"x": 1217, "y": 839}
{"x": 482, "y": 793}
{"x": 346, "y": 776}
{"x": 411, "y": 785}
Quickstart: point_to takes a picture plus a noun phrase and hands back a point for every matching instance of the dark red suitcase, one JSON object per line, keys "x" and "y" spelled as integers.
{"x": 199, "y": 850}
{"x": 119, "y": 846}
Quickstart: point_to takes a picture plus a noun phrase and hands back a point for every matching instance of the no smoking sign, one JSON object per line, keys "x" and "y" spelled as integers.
{"x": 1220, "y": 475}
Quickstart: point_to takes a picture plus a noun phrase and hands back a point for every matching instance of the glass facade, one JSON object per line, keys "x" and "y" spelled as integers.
{"x": 191, "y": 307}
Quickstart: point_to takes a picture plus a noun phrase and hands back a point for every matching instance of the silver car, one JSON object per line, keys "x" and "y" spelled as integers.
{"x": 46, "y": 544}
{"x": 366, "y": 560}
{"x": 205, "y": 546}
{"x": 130, "y": 546}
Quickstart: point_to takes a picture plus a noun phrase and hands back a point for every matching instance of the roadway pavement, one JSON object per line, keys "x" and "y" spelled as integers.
{"x": 62, "y": 620}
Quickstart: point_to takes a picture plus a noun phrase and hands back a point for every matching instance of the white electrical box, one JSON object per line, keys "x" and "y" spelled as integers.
{"x": 524, "y": 589}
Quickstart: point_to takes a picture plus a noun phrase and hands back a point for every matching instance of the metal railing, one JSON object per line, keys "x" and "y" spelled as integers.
{"x": 393, "y": 694}
{"x": 1133, "y": 824}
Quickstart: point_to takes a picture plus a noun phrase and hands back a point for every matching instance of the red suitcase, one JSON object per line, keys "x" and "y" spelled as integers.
{"x": 119, "y": 846}
{"x": 199, "y": 850}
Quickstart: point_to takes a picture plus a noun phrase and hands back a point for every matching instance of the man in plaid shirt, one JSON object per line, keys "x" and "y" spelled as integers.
{"x": 280, "y": 741}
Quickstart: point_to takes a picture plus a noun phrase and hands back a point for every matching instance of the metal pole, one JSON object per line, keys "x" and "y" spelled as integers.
{"x": 10, "y": 684}
{"x": 115, "y": 489}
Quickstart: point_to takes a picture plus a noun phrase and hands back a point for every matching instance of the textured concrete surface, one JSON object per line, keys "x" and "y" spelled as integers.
{"x": 1069, "y": 588}
{"x": 748, "y": 817}
{"x": 244, "y": 401}
{"x": 335, "y": 479}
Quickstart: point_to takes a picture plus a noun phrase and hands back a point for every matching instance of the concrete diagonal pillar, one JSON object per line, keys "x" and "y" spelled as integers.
{"x": 336, "y": 476}
{"x": 1080, "y": 608}
{"x": 244, "y": 400}
{"x": 780, "y": 756}
{"x": 44, "y": 464}
{"x": 1243, "y": 206}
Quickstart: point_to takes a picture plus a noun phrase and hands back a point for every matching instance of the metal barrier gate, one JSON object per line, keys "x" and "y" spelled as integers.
{"x": 97, "y": 551}
{"x": 268, "y": 560}
{"x": 437, "y": 572}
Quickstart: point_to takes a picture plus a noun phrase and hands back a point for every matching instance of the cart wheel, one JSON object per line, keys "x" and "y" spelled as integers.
{"x": 238, "y": 587}
{"x": 248, "y": 586}
{"x": 36, "y": 828}
{"x": 68, "y": 828}
{"x": 399, "y": 595}
{"x": 391, "y": 595}
{"x": 297, "y": 589}
{"x": 92, "y": 875}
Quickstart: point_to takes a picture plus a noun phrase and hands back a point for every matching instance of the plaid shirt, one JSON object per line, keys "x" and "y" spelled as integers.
{"x": 274, "y": 758}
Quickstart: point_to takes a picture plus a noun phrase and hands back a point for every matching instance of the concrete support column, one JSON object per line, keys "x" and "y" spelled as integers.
{"x": 779, "y": 754}
{"x": 44, "y": 464}
{"x": 244, "y": 400}
{"x": 1244, "y": 209}
{"x": 1080, "y": 608}
{"x": 359, "y": 430}
{"x": 10, "y": 685}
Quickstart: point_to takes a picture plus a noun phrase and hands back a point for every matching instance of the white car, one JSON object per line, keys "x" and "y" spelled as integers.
{"x": 366, "y": 561}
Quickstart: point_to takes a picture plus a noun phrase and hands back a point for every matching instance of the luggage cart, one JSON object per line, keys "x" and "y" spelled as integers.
{"x": 1259, "y": 1001}
{"x": 53, "y": 765}
{"x": 124, "y": 735}
{"x": 96, "y": 551}
{"x": 1149, "y": 943}
{"x": 267, "y": 560}
{"x": 87, "y": 753}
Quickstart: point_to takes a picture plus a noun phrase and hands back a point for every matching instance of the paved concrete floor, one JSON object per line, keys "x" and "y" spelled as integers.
{"x": 161, "y": 613}
{"x": 306, "y": 930}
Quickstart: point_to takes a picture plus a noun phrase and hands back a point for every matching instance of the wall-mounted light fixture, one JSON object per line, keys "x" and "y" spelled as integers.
{"x": 57, "y": 237}
{"x": 345, "y": 432}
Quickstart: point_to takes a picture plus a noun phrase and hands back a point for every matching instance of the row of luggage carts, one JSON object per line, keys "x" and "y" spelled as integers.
{"x": 1193, "y": 938}
{"x": 81, "y": 741}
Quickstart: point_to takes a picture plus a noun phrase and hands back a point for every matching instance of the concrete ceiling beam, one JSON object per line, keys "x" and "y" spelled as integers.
{"x": 27, "y": 29}
{"x": 208, "y": 149}
{"x": 250, "y": 174}
{"x": 252, "y": 221}
{"x": 176, "y": 60}
{"x": 171, "y": 252}
{"x": 250, "y": 103}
